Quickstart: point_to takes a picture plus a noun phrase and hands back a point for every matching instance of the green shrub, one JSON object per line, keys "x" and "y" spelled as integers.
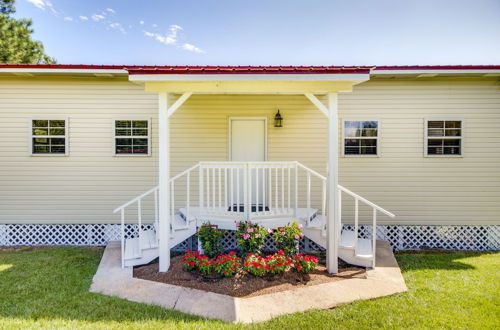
{"x": 287, "y": 238}
{"x": 211, "y": 240}
{"x": 251, "y": 237}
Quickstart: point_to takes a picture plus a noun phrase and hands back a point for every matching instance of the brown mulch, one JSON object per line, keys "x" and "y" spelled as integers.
{"x": 244, "y": 284}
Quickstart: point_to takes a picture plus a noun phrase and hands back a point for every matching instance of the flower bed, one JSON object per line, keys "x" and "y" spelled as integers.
{"x": 244, "y": 284}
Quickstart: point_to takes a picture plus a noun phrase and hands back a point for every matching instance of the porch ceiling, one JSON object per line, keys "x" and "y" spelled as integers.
{"x": 249, "y": 83}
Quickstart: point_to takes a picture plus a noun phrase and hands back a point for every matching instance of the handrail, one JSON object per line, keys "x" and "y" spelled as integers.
{"x": 364, "y": 200}
{"x": 135, "y": 199}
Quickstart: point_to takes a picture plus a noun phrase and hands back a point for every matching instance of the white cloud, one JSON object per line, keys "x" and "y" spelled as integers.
{"x": 155, "y": 25}
{"x": 111, "y": 10}
{"x": 171, "y": 38}
{"x": 117, "y": 26}
{"x": 83, "y": 18}
{"x": 192, "y": 48}
{"x": 97, "y": 17}
{"x": 40, "y": 3}
{"x": 141, "y": 22}
{"x": 68, "y": 18}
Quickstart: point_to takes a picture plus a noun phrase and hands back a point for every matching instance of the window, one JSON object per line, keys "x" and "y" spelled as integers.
{"x": 132, "y": 137}
{"x": 49, "y": 137}
{"x": 444, "y": 137}
{"x": 360, "y": 137}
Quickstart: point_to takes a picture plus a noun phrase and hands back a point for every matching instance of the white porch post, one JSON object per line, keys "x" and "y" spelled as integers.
{"x": 164, "y": 102}
{"x": 333, "y": 223}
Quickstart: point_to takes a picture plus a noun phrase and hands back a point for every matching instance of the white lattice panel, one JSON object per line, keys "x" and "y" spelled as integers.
{"x": 481, "y": 238}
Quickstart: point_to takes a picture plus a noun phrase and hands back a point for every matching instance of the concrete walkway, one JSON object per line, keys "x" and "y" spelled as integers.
{"x": 110, "y": 279}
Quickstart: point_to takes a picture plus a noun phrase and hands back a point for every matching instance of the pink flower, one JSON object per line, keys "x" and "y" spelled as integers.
{"x": 256, "y": 235}
{"x": 250, "y": 230}
{"x": 297, "y": 236}
{"x": 237, "y": 223}
{"x": 269, "y": 230}
{"x": 301, "y": 234}
{"x": 300, "y": 225}
{"x": 246, "y": 236}
{"x": 283, "y": 233}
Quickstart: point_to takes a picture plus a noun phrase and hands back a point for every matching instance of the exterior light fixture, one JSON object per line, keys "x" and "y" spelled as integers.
{"x": 278, "y": 120}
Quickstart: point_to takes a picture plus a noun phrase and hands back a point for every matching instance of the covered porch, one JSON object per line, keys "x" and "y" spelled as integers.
{"x": 271, "y": 192}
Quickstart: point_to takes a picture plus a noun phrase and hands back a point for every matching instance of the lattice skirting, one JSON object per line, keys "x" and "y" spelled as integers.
{"x": 480, "y": 238}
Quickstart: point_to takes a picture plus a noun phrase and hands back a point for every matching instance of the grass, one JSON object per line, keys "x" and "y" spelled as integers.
{"x": 48, "y": 288}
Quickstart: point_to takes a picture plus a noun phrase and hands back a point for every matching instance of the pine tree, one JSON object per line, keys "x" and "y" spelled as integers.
{"x": 16, "y": 45}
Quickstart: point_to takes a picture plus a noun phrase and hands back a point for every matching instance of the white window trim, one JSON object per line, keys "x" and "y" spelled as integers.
{"x": 113, "y": 134}
{"x": 378, "y": 137}
{"x": 461, "y": 137}
{"x": 66, "y": 136}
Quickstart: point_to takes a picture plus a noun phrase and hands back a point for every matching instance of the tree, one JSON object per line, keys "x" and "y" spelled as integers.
{"x": 16, "y": 45}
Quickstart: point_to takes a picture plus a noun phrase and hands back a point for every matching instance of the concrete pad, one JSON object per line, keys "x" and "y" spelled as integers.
{"x": 110, "y": 279}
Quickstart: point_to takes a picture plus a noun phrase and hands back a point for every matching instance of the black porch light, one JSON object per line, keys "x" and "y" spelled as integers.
{"x": 278, "y": 120}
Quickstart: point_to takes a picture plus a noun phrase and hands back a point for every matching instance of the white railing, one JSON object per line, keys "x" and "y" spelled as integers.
{"x": 255, "y": 190}
{"x": 374, "y": 207}
{"x": 137, "y": 200}
{"x": 248, "y": 191}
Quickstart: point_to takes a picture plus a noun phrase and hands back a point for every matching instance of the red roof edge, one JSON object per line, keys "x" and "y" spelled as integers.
{"x": 177, "y": 69}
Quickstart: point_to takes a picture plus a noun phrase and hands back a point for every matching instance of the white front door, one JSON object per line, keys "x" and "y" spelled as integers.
{"x": 248, "y": 144}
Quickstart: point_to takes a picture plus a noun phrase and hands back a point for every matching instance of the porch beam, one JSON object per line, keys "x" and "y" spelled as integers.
{"x": 321, "y": 107}
{"x": 164, "y": 104}
{"x": 333, "y": 221}
{"x": 177, "y": 104}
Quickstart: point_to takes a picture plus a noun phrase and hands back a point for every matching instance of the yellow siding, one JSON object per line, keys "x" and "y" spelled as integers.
{"x": 85, "y": 186}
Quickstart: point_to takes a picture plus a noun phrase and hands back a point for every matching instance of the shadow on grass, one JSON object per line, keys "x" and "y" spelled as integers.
{"x": 436, "y": 259}
{"x": 53, "y": 283}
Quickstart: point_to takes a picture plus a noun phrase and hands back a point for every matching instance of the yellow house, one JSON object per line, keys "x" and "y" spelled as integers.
{"x": 406, "y": 154}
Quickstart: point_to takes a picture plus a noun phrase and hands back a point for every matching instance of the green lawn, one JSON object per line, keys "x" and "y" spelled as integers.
{"x": 48, "y": 288}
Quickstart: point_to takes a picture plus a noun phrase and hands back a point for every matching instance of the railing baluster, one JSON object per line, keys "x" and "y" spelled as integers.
{"x": 277, "y": 202}
{"x": 308, "y": 219}
{"x": 220, "y": 190}
{"x": 296, "y": 191}
{"x": 172, "y": 204}
{"x": 289, "y": 188}
{"x": 139, "y": 221}
{"x": 282, "y": 189}
{"x": 188, "y": 197}
{"x": 225, "y": 190}
{"x": 208, "y": 189}
{"x": 200, "y": 184}
{"x": 323, "y": 200}
{"x": 256, "y": 190}
{"x": 122, "y": 229}
{"x": 213, "y": 190}
{"x": 248, "y": 191}
{"x": 374, "y": 235}
{"x": 156, "y": 209}
{"x": 356, "y": 219}
{"x": 270, "y": 190}
{"x": 237, "y": 190}
{"x": 231, "y": 187}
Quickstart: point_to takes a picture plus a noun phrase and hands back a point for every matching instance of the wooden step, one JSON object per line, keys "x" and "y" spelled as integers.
{"x": 348, "y": 239}
{"x": 364, "y": 249}
{"x": 132, "y": 250}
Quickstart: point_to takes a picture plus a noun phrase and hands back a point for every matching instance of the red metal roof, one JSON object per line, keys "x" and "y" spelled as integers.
{"x": 177, "y": 69}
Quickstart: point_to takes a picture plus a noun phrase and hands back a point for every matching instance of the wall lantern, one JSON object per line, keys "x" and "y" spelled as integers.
{"x": 278, "y": 120}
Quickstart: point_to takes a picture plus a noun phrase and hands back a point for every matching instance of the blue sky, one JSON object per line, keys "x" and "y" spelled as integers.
{"x": 269, "y": 32}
